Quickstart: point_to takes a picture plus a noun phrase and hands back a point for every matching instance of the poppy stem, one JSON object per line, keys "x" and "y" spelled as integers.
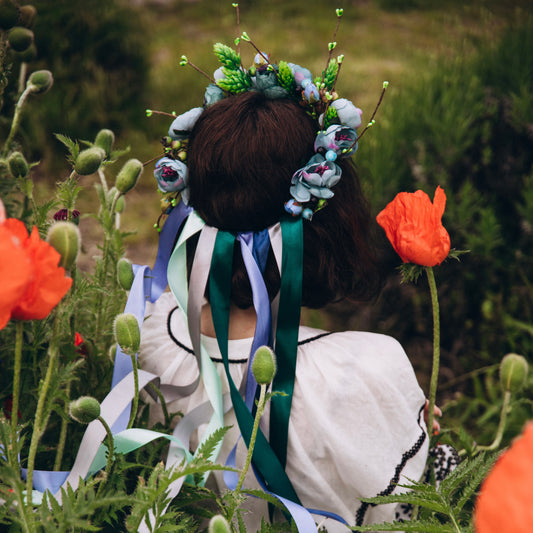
{"x": 40, "y": 415}
{"x": 19, "y": 330}
{"x": 260, "y": 409}
{"x": 501, "y": 426}
{"x": 436, "y": 347}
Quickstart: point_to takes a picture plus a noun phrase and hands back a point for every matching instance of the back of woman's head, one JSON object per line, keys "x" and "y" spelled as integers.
{"x": 242, "y": 154}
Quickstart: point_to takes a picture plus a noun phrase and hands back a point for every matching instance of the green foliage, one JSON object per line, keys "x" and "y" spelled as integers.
{"x": 330, "y": 75}
{"x": 235, "y": 81}
{"x": 286, "y": 77}
{"x": 227, "y": 56}
{"x": 445, "y": 508}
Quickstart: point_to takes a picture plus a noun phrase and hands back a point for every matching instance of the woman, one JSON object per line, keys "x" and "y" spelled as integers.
{"x": 355, "y": 427}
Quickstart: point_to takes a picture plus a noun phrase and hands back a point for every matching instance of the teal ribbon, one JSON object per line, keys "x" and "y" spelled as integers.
{"x": 264, "y": 457}
{"x": 288, "y": 324}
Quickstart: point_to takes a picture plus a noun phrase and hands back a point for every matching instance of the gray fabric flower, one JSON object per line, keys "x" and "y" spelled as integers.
{"x": 171, "y": 175}
{"x": 182, "y": 126}
{"x": 315, "y": 179}
{"x": 340, "y": 139}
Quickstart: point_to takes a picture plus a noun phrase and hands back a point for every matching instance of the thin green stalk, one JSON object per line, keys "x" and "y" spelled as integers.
{"x": 19, "y": 330}
{"x": 436, "y": 347}
{"x": 135, "y": 402}
{"x": 110, "y": 447}
{"x": 16, "y": 120}
{"x": 501, "y": 426}
{"x": 40, "y": 418}
{"x": 260, "y": 408}
{"x": 163, "y": 404}
{"x": 62, "y": 435}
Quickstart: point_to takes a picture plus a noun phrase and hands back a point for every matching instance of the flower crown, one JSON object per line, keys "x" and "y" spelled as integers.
{"x": 337, "y": 118}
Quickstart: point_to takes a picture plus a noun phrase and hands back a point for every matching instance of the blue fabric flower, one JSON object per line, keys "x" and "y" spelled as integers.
{"x": 300, "y": 73}
{"x": 182, "y": 126}
{"x": 213, "y": 94}
{"x": 337, "y": 138}
{"x": 315, "y": 179}
{"x": 171, "y": 175}
{"x": 348, "y": 114}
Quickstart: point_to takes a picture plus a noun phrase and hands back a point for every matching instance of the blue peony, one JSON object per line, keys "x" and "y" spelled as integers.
{"x": 337, "y": 138}
{"x": 348, "y": 114}
{"x": 182, "y": 126}
{"x": 315, "y": 179}
{"x": 171, "y": 175}
{"x": 213, "y": 94}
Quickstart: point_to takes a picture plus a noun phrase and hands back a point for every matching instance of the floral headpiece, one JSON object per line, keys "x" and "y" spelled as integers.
{"x": 337, "y": 118}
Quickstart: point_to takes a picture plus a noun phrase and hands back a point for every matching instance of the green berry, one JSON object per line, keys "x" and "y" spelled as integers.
{"x": 125, "y": 273}
{"x": 264, "y": 365}
{"x": 20, "y": 38}
{"x": 18, "y": 165}
{"x": 65, "y": 238}
{"x": 85, "y": 409}
{"x": 105, "y": 139}
{"x": 40, "y": 81}
{"x": 218, "y": 524}
{"x": 89, "y": 161}
{"x": 128, "y": 175}
{"x": 127, "y": 333}
{"x": 513, "y": 372}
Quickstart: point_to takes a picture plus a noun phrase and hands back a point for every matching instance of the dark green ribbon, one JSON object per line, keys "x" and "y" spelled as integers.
{"x": 269, "y": 460}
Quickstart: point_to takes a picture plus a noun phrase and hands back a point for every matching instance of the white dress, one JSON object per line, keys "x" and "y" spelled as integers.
{"x": 356, "y": 426}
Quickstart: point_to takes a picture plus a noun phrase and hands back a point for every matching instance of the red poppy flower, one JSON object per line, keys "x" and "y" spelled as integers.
{"x": 504, "y": 503}
{"x": 30, "y": 274}
{"x": 414, "y": 228}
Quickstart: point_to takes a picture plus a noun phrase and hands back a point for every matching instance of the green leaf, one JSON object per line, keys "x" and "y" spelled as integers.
{"x": 331, "y": 73}
{"x": 286, "y": 77}
{"x": 422, "y": 526}
{"x": 235, "y": 81}
{"x": 227, "y": 56}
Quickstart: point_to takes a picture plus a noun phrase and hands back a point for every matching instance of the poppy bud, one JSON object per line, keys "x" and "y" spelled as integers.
{"x": 65, "y": 238}
{"x": 20, "y": 39}
{"x": 127, "y": 333}
{"x": 105, "y": 139}
{"x": 85, "y": 409}
{"x": 18, "y": 165}
{"x": 264, "y": 365}
{"x": 125, "y": 273}
{"x": 218, "y": 524}
{"x": 513, "y": 372}
{"x": 27, "y": 15}
{"x": 89, "y": 161}
{"x": 128, "y": 175}
{"x": 9, "y": 14}
{"x": 40, "y": 81}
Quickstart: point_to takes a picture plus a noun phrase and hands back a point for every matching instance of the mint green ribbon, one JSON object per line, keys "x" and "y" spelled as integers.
{"x": 269, "y": 463}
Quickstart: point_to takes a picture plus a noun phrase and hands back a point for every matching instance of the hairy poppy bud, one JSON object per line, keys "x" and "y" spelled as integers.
{"x": 128, "y": 175}
{"x": 89, "y": 161}
{"x": 9, "y": 14}
{"x": 40, "y": 81}
{"x": 513, "y": 372}
{"x": 105, "y": 139}
{"x": 218, "y": 524}
{"x": 20, "y": 39}
{"x": 125, "y": 273}
{"x": 264, "y": 365}
{"x": 65, "y": 238}
{"x": 27, "y": 15}
{"x": 18, "y": 165}
{"x": 85, "y": 409}
{"x": 127, "y": 333}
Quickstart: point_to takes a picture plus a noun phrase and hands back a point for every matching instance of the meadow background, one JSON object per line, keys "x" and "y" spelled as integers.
{"x": 458, "y": 113}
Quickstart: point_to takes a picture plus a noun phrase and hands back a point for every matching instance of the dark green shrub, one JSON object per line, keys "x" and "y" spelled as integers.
{"x": 467, "y": 126}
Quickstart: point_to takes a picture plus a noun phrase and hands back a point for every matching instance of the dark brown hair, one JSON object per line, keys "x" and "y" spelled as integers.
{"x": 242, "y": 154}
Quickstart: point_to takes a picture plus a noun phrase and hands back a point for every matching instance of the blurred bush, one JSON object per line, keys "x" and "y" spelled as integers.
{"x": 97, "y": 52}
{"x": 468, "y": 126}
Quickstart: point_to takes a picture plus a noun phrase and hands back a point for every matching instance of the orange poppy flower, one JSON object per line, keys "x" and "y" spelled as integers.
{"x": 413, "y": 226}
{"x": 30, "y": 275}
{"x": 505, "y": 503}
